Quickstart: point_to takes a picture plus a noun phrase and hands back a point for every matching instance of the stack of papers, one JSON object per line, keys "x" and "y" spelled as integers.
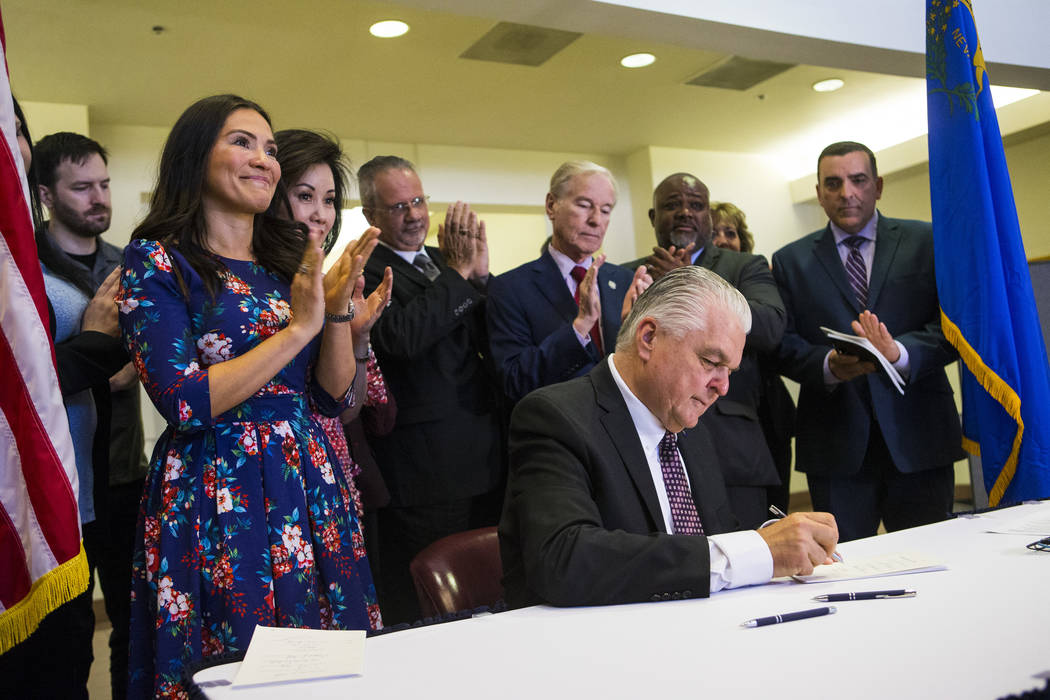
{"x": 873, "y": 567}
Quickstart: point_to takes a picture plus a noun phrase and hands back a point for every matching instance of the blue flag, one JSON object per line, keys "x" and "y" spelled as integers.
{"x": 987, "y": 307}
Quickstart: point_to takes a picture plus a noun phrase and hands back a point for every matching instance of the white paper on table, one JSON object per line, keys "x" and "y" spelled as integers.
{"x": 283, "y": 654}
{"x": 1028, "y": 523}
{"x": 873, "y": 567}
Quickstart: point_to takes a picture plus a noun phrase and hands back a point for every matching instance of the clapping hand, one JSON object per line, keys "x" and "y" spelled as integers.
{"x": 663, "y": 260}
{"x": 341, "y": 279}
{"x": 308, "y": 289}
{"x": 101, "y": 312}
{"x": 639, "y": 284}
{"x": 590, "y": 299}
{"x": 368, "y": 310}
{"x": 868, "y": 326}
{"x": 462, "y": 241}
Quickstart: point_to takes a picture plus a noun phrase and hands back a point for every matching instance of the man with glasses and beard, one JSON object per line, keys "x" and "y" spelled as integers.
{"x": 73, "y": 184}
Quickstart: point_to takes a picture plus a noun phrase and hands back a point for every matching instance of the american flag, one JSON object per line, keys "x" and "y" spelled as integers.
{"x": 42, "y": 564}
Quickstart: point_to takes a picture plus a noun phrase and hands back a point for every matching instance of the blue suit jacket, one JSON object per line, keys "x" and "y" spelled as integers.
{"x": 921, "y": 428}
{"x": 530, "y": 314}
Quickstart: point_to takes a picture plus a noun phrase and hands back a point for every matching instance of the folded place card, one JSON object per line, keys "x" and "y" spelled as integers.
{"x": 286, "y": 654}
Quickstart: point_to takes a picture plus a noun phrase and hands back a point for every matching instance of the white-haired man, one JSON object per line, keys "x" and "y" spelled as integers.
{"x": 615, "y": 494}
{"x": 556, "y": 317}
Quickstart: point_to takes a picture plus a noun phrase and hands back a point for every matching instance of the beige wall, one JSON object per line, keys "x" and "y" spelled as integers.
{"x": 48, "y": 117}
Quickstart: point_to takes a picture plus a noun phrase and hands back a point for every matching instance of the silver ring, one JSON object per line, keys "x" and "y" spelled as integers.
{"x": 304, "y": 269}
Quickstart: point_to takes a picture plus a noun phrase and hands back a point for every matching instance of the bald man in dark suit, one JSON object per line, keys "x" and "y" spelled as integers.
{"x": 681, "y": 219}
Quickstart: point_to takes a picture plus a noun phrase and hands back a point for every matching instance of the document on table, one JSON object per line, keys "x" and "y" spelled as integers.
{"x": 1023, "y": 520}
{"x": 284, "y": 654}
{"x": 873, "y": 567}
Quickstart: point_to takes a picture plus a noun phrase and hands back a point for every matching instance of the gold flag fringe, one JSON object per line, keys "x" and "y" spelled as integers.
{"x": 999, "y": 390}
{"x": 60, "y": 585}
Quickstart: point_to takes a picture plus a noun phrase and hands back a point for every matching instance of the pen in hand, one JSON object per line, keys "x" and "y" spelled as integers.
{"x": 789, "y": 617}
{"x": 864, "y": 595}
{"x": 781, "y": 514}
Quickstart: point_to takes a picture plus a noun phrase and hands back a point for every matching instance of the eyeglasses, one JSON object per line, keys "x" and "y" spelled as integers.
{"x": 401, "y": 208}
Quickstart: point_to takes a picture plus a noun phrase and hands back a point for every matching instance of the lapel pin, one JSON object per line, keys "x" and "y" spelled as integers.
{"x": 612, "y": 284}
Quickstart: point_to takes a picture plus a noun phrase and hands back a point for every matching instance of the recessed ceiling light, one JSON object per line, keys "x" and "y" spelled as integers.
{"x": 637, "y": 60}
{"x": 388, "y": 28}
{"x": 829, "y": 85}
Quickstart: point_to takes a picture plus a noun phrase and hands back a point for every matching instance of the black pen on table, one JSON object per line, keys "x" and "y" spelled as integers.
{"x": 789, "y": 617}
{"x": 864, "y": 595}
{"x": 781, "y": 514}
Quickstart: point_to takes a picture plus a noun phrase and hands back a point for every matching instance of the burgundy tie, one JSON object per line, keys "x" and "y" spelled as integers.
{"x": 684, "y": 518}
{"x": 578, "y": 274}
{"x": 856, "y": 270}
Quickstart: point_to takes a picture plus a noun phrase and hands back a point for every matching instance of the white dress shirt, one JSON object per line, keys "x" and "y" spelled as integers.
{"x": 737, "y": 558}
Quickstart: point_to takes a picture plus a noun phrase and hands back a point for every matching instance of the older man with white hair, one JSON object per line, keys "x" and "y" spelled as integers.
{"x": 615, "y": 494}
{"x": 556, "y": 317}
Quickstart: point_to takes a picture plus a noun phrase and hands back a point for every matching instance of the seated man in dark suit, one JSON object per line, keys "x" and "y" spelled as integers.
{"x": 554, "y": 318}
{"x": 681, "y": 218}
{"x": 599, "y": 508}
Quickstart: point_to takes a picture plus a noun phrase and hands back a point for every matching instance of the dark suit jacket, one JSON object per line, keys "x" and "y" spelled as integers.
{"x": 734, "y": 421}
{"x": 581, "y": 523}
{"x": 921, "y": 428}
{"x": 530, "y": 313}
{"x": 431, "y": 346}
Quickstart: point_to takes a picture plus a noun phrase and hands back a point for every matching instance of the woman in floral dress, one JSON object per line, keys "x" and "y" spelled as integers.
{"x": 237, "y": 335}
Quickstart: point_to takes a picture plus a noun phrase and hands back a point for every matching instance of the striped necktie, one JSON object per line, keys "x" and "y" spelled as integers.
{"x": 856, "y": 270}
{"x": 425, "y": 265}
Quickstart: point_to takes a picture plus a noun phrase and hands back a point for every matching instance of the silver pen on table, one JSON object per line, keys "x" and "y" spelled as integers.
{"x": 781, "y": 514}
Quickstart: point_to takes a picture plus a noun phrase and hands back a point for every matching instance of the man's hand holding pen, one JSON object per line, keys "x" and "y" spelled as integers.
{"x": 800, "y": 542}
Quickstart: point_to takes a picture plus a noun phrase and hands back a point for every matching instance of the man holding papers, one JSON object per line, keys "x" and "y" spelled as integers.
{"x": 869, "y": 452}
{"x": 615, "y": 493}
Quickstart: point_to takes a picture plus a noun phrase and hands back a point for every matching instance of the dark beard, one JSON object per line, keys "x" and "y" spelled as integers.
{"x": 78, "y": 224}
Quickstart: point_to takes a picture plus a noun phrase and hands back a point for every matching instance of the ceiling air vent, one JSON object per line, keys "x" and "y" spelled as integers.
{"x": 520, "y": 44}
{"x": 738, "y": 73}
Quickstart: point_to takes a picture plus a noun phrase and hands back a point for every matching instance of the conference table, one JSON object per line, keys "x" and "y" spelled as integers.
{"x": 978, "y": 629}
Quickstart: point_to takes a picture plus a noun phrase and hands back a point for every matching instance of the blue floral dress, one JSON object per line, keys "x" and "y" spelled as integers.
{"x": 244, "y": 521}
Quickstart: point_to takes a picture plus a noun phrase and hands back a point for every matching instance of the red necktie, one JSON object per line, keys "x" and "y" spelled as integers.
{"x": 578, "y": 274}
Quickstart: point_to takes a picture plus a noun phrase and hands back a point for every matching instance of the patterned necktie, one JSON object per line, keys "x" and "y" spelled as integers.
{"x": 426, "y": 266}
{"x": 684, "y": 517}
{"x": 578, "y": 274}
{"x": 856, "y": 270}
